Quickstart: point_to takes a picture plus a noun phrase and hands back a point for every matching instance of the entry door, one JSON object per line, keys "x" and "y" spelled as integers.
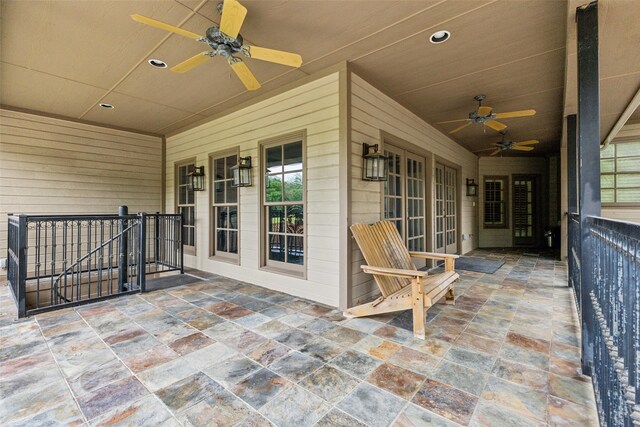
{"x": 524, "y": 210}
{"x": 446, "y": 221}
{"x": 404, "y": 202}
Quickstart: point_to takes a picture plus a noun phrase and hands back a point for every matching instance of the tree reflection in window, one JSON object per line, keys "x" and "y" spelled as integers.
{"x": 284, "y": 197}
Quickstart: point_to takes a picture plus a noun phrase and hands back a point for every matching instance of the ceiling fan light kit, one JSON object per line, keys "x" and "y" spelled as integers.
{"x": 226, "y": 41}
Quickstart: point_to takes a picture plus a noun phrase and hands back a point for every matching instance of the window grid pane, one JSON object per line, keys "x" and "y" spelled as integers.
{"x": 185, "y": 204}
{"x": 494, "y": 202}
{"x": 620, "y": 173}
{"x": 224, "y": 207}
{"x": 393, "y": 191}
{"x": 283, "y": 197}
{"x": 416, "y": 233}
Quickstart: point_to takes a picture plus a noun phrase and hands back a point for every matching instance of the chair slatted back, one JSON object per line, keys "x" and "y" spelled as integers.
{"x": 382, "y": 246}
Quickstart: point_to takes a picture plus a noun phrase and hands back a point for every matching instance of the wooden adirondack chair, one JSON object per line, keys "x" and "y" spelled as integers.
{"x": 402, "y": 286}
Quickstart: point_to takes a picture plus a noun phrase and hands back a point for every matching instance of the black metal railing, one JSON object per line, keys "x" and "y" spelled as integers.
{"x": 615, "y": 319}
{"x": 62, "y": 260}
{"x": 16, "y": 260}
{"x": 163, "y": 243}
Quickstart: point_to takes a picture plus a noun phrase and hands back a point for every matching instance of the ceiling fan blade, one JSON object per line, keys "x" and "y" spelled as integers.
{"x": 452, "y": 121}
{"x": 484, "y": 111}
{"x": 277, "y": 56}
{"x": 484, "y": 149}
{"x": 495, "y": 125}
{"x": 529, "y": 142}
{"x": 233, "y": 14}
{"x": 164, "y": 26}
{"x": 245, "y": 75}
{"x": 190, "y": 63}
{"x": 495, "y": 152}
{"x": 459, "y": 128}
{"x": 512, "y": 114}
{"x": 515, "y": 147}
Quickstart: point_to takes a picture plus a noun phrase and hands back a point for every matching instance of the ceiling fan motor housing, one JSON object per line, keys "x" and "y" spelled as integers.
{"x": 222, "y": 44}
{"x": 481, "y": 119}
{"x": 504, "y": 145}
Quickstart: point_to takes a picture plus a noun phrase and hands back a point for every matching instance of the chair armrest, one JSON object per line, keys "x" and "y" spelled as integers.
{"x": 433, "y": 255}
{"x": 384, "y": 271}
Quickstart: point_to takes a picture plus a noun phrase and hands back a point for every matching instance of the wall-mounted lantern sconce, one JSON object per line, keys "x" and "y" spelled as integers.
{"x": 472, "y": 187}
{"x": 241, "y": 173}
{"x": 196, "y": 179}
{"x": 374, "y": 163}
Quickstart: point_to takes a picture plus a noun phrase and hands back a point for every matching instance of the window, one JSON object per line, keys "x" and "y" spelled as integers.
{"x": 283, "y": 207}
{"x": 224, "y": 208}
{"x": 186, "y": 205}
{"x": 620, "y": 173}
{"x": 495, "y": 196}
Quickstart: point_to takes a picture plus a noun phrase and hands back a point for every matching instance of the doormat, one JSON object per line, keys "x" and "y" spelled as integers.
{"x": 171, "y": 281}
{"x": 479, "y": 265}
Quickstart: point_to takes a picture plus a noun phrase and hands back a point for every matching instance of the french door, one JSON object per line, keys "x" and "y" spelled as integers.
{"x": 404, "y": 196}
{"x": 446, "y": 220}
{"x": 524, "y": 210}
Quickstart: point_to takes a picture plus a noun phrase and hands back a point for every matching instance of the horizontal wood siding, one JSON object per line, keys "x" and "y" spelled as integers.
{"x": 371, "y": 112}
{"x": 631, "y": 214}
{"x": 54, "y": 166}
{"x": 507, "y": 166}
{"x": 314, "y": 108}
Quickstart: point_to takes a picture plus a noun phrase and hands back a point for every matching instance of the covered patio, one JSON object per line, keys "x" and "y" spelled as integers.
{"x": 180, "y": 233}
{"x": 223, "y": 352}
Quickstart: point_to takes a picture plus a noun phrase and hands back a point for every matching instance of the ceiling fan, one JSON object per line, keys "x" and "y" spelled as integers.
{"x": 486, "y": 116}
{"x": 505, "y": 144}
{"x": 226, "y": 41}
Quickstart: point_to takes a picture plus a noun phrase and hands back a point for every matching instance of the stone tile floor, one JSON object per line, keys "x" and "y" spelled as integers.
{"x": 221, "y": 352}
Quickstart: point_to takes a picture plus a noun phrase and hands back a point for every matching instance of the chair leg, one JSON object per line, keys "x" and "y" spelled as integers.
{"x": 417, "y": 296}
{"x": 450, "y": 297}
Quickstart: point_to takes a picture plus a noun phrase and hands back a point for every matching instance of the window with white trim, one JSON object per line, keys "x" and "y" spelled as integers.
{"x": 224, "y": 207}
{"x": 283, "y": 205}
{"x": 620, "y": 173}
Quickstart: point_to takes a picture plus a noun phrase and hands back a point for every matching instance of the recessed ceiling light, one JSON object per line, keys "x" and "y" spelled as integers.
{"x": 105, "y": 105}
{"x": 157, "y": 63}
{"x": 440, "y": 37}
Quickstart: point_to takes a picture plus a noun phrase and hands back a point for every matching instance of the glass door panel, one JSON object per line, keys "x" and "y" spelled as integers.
{"x": 451, "y": 219}
{"x": 394, "y": 189}
{"x": 445, "y": 212}
{"x": 439, "y": 208}
{"x": 416, "y": 233}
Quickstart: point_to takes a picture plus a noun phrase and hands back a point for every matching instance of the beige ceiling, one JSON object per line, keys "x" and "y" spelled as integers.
{"x": 65, "y": 57}
{"x": 619, "y": 39}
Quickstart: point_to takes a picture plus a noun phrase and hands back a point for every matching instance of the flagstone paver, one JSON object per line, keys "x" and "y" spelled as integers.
{"x": 224, "y": 352}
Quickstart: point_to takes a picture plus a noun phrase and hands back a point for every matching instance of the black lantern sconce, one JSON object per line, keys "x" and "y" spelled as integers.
{"x": 241, "y": 173}
{"x": 196, "y": 179}
{"x": 374, "y": 164}
{"x": 472, "y": 187}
